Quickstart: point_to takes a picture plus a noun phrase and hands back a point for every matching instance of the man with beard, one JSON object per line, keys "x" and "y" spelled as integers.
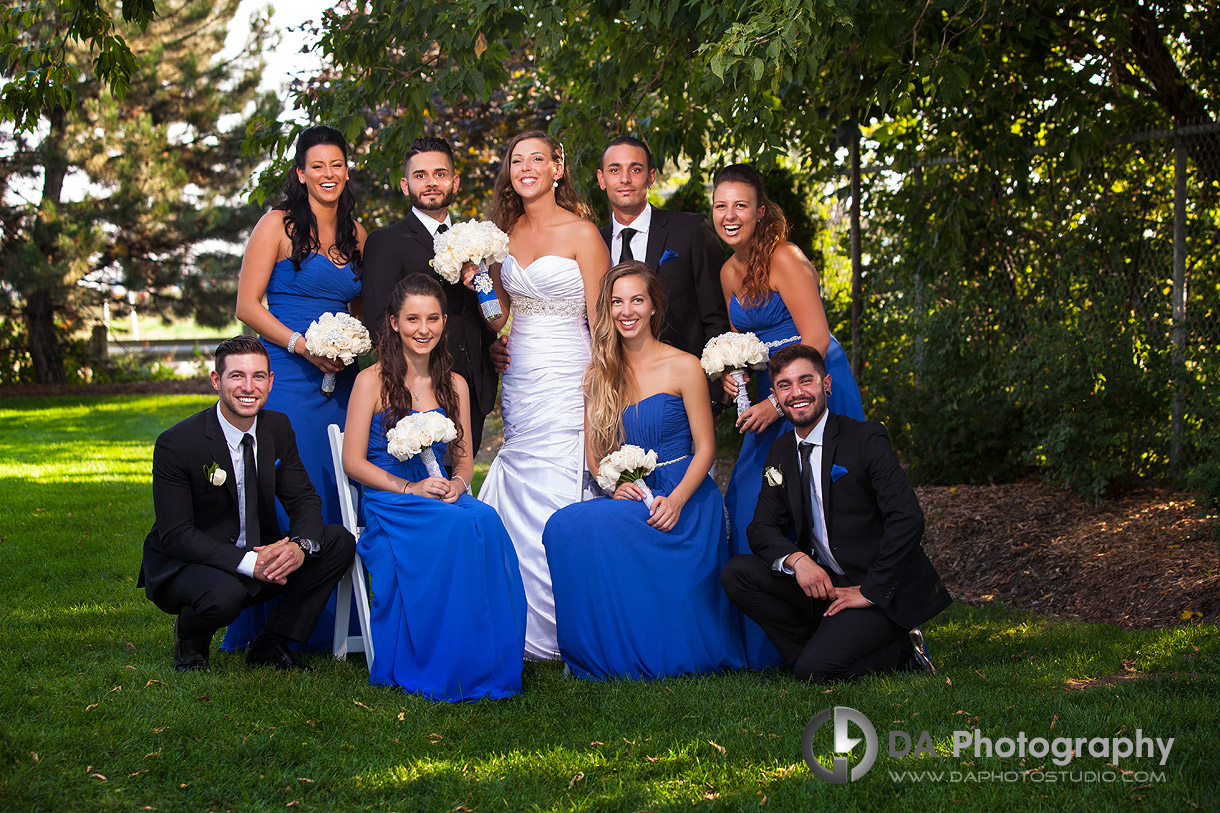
{"x": 838, "y": 578}
{"x": 405, "y": 247}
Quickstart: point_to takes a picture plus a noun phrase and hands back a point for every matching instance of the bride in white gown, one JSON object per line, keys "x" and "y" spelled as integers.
{"x": 550, "y": 282}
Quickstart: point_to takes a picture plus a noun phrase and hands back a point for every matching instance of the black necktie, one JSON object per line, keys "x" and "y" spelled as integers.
{"x": 625, "y": 254}
{"x": 442, "y": 228}
{"x": 807, "y": 483}
{"x": 250, "y": 486}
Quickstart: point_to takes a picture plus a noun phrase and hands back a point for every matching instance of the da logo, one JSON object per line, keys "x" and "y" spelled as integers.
{"x": 843, "y": 744}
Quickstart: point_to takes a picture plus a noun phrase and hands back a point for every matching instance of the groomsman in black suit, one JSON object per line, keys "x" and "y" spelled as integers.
{"x": 215, "y": 547}
{"x": 405, "y": 247}
{"x": 680, "y": 246}
{"x": 847, "y": 596}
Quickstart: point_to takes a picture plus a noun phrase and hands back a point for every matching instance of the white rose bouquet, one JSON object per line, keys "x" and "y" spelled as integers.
{"x": 630, "y": 464}
{"x": 415, "y": 434}
{"x": 475, "y": 241}
{"x": 734, "y": 352}
{"x": 337, "y": 336}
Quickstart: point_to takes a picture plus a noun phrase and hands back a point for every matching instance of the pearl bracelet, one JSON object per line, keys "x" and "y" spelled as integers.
{"x": 292, "y": 342}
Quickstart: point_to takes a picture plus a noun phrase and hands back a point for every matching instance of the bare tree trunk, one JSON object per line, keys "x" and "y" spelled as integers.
{"x": 39, "y": 309}
{"x": 857, "y": 272}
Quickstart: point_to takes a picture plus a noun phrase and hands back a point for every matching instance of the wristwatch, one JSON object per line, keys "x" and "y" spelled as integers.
{"x": 307, "y": 545}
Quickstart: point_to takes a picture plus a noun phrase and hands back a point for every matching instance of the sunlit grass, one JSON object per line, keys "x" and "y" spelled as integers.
{"x": 93, "y": 717}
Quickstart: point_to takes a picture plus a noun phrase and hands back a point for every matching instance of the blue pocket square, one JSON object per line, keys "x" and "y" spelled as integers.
{"x": 278, "y": 462}
{"x": 836, "y": 471}
{"x": 667, "y": 255}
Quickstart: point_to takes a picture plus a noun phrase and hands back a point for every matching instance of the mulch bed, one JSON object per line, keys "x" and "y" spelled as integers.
{"x": 1140, "y": 560}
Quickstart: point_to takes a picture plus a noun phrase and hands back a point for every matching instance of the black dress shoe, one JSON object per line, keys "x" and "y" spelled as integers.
{"x": 920, "y": 656}
{"x": 275, "y": 654}
{"x": 190, "y": 655}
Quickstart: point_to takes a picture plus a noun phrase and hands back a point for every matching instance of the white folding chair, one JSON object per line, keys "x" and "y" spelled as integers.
{"x": 354, "y": 580}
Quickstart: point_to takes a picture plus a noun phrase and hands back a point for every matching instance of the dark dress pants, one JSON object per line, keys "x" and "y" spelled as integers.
{"x": 847, "y": 644}
{"x": 206, "y": 599}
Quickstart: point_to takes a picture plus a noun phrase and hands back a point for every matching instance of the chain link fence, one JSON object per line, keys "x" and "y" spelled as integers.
{"x": 1049, "y": 313}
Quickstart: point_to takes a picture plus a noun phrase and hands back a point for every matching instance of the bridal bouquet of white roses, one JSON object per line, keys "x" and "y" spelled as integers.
{"x": 734, "y": 352}
{"x": 337, "y": 336}
{"x": 475, "y": 241}
{"x": 630, "y": 464}
{"x": 415, "y": 434}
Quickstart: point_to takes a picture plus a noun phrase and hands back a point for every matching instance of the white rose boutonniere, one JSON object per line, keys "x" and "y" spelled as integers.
{"x": 216, "y": 475}
{"x": 773, "y": 476}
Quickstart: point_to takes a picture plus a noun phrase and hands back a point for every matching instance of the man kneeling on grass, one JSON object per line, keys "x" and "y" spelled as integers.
{"x": 216, "y": 547}
{"x": 846, "y": 597}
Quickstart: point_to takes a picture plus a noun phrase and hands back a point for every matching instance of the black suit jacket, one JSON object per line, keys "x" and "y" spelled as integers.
{"x": 691, "y": 279}
{"x": 197, "y": 522}
{"x": 405, "y": 248}
{"x": 873, "y": 519}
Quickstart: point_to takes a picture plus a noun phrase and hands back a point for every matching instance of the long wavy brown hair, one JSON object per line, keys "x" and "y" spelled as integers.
{"x": 507, "y": 205}
{"x": 609, "y": 383}
{"x": 772, "y": 229}
{"x": 396, "y": 401}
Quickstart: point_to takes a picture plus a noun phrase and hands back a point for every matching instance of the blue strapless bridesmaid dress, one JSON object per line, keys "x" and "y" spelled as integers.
{"x": 635, "y": 602}
{"x": 771, "y": 322}
{"x": 297, "y": 298}
{"x": 448, "y": 609}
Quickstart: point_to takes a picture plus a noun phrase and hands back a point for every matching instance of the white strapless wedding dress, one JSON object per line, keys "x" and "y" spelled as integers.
{"x": 540, "y": 467}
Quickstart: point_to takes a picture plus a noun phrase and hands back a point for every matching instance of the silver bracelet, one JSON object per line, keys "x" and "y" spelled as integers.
{"x": 466, "y": 486}
{"x": 292, "y": 342}
{"x": 775, "y": 403}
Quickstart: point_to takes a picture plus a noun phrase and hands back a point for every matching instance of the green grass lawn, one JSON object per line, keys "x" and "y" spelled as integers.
{"x": 93, "y": 716}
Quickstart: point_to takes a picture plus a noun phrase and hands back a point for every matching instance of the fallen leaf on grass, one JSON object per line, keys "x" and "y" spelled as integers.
{"x": 402, "y": 715}
{"x": 652, "y": 759}
{"x": 129, "y": 666}
{"x": 305, "y": 780}
{"x": 595, "y": 742}
{"x": 719, "y": 748}
{"x": 579, "y": 776}
{"x": 131, "y": 646}
{"x": 763, "y": 802}
{"x": 361, "y": 705}
{"x": 115, "y": 689}
{"x": 137, "y": 773}
{"x": 91, "y": 707}
{"x": 293, "y": 803}
{"x": 204, "y": 699}
{"x": 629, "y": 742}
{"x": 711, "y": 796}
{"x": 183, "y": 786}
{"x": 34, "y": 755}
{"x": 98, "y": 776}
{"x": 157, "y": 682}
{"x": 435, "y": 737}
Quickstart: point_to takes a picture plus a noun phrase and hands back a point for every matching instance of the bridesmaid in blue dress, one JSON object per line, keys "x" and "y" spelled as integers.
{"x": 304, "y": 256}
{"x": 772, "y": 291}
{"x": 637, "y": 589}
{"x": 448, "y": 610}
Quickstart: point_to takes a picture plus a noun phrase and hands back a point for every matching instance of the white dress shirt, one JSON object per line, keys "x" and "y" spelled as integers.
{"x": 639, "y": 241}
{"x": 820, "y": 542}
{"x": 233, "y": 437}
{"x": 430, "y": 222}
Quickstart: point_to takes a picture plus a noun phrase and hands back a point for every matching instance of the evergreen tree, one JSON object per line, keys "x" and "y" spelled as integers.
{"x": 139, "y": 192}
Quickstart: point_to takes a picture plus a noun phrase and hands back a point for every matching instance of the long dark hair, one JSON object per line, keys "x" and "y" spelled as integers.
{"x": 299, "y": 221}
{"x": 772, "y": 229}
{"x": 507, "y": 205}
{"x": 395, "y": 397}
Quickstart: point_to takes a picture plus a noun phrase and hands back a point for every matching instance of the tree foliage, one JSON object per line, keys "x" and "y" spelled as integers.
{"x": 44, "y": 73}
{"x": 991, "y": 132}
{"x": 134, "y": 194}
